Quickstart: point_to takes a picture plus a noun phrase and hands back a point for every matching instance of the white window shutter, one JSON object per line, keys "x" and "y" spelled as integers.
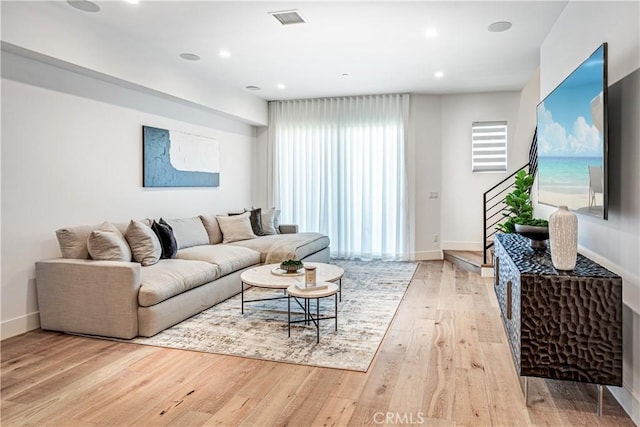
{"x": 489, "y": 146}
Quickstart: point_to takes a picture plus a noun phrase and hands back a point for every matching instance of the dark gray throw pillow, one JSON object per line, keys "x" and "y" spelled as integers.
{"x": 167, "y": 239}
{"x": 256, "y": 221}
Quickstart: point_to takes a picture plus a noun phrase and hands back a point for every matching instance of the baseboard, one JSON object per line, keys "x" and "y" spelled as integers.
{"x": 427, "y": 256}
{"x": 462, "y": 246}
{"x": 628, "y": 401}
{"x": 19, "y": 325}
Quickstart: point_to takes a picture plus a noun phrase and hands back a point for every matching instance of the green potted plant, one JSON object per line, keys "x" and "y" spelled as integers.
{"x": 520, "y": 213}
{"x": 291, "y": 265}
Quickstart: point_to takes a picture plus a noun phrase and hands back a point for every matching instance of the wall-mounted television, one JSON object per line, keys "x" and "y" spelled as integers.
{"x": 572, "y": 140}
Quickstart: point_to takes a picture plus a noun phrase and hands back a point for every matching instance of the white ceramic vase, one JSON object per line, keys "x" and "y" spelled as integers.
{"x": 563, "y": 238}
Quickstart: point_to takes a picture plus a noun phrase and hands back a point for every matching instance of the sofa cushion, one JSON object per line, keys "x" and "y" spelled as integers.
{"x": 236, "y": 227}
{"x": 280, "y": 247}
{"x": 170, "y": 277}
{"x": 229, "y": 258}
{"x": 189, "y": 232}
{"x": 210, "y": 223}
{"x": 108, "y": 244}
{"x": 167, "y": 239}
{"x": 144, "y": 243}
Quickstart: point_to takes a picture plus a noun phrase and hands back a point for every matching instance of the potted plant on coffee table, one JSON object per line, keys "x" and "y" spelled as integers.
{"x": 291, "y": 265}
{"x": 519, "y": 215}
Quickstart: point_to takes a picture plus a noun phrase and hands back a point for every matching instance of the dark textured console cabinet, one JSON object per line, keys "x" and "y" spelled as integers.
{"x": 564, "y": 325}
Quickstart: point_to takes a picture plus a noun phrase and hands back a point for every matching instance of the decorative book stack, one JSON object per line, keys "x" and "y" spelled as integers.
{"x": 315, "y": 287}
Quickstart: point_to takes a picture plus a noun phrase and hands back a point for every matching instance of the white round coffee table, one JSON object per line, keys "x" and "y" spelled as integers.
{"x": 262, "y": 277}
{"x": 307, "y": 294}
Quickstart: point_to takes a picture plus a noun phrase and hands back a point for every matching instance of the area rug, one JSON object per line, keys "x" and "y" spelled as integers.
{"x": 371, "y": 294}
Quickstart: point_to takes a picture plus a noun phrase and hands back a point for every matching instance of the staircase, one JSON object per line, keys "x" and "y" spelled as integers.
{"x": 493, "y": 202}
{"x": 470, "y": 261}
{"x": 481, "y": 262}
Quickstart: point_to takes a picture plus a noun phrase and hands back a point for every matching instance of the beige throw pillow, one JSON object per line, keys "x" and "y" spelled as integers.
{"x": 235, "y": 228}
{"x": 213, "y": 228}
{"x": 106, "y": 243}
{"x": 73, "y": 241}
{"x": 144, "y": 243}
{"x": 108, "y": 246}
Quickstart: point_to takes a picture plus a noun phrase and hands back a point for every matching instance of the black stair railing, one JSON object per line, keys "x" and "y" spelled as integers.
{"x": 533, "y": 154}
{"x": 493, "y": 199}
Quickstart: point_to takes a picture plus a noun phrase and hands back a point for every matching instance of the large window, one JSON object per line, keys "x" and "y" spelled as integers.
{"x": 339, "y": 169}
{"x": 489, "y": 146}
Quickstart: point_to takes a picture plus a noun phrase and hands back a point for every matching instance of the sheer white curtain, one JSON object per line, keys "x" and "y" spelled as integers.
{"x": 339, "y": 168}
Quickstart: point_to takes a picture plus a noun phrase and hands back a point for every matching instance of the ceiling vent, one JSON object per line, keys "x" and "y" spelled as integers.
{"x": 288, "y": 17}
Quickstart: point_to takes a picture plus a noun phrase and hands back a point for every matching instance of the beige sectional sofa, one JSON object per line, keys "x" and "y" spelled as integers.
{"x": 124, "y": 299}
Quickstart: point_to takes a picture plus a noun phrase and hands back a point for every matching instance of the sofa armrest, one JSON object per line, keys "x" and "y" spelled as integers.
{"x": 89, "y": 297}
{"x": 288, "y": 228}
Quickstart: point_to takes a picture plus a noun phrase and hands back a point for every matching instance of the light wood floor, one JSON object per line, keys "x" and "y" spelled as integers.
{"x": 444, "y": 362}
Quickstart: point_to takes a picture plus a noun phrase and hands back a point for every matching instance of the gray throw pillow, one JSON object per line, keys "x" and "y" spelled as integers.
{"x": 189, "y": 232}
{"x": 144, "y": 243}
{"x": 270, "y": 219}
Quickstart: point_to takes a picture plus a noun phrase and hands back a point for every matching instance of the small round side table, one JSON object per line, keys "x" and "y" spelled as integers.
{"x": 308, "y": 294}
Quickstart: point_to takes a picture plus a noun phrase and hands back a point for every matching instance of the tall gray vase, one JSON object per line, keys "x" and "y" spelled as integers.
{"x": 563, "y": 238}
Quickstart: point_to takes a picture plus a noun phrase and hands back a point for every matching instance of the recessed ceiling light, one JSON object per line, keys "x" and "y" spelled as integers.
{"x": 84, "y": 5}
{"x": 224, "y": 53}
{"x": 438, "y": 74}
{"x": 281, "y": 86}
{"x": 252, "y": 87}
{"x": 190, "y": 56}
{"x": 431, "y": 33}
{"x": 132, "y": 1}
{"x": 500, "y": 26}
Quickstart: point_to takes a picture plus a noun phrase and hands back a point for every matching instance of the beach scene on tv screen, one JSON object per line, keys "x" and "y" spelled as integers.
{"x": 570, "y": 140}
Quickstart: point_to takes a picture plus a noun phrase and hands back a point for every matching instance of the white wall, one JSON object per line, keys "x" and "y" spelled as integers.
{"x": 615, "y": 243}
{"x": 529, "y": 99}
{"x": 261, "y": 177}
{"x": 426, "y": 177}
{"x": 462, "y": 189}
{"x": 76, "y": 158}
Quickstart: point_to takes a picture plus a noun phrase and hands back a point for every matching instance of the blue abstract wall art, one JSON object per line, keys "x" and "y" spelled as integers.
{"x": 179, "y": 159}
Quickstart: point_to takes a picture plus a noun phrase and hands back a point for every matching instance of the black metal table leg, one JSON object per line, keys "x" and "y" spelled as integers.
{"x": 336, "y": 311}
{"x": 289, "y": 314}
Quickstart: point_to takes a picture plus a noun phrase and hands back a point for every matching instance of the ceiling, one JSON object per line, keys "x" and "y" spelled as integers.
{"x": 345, "y": 48}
